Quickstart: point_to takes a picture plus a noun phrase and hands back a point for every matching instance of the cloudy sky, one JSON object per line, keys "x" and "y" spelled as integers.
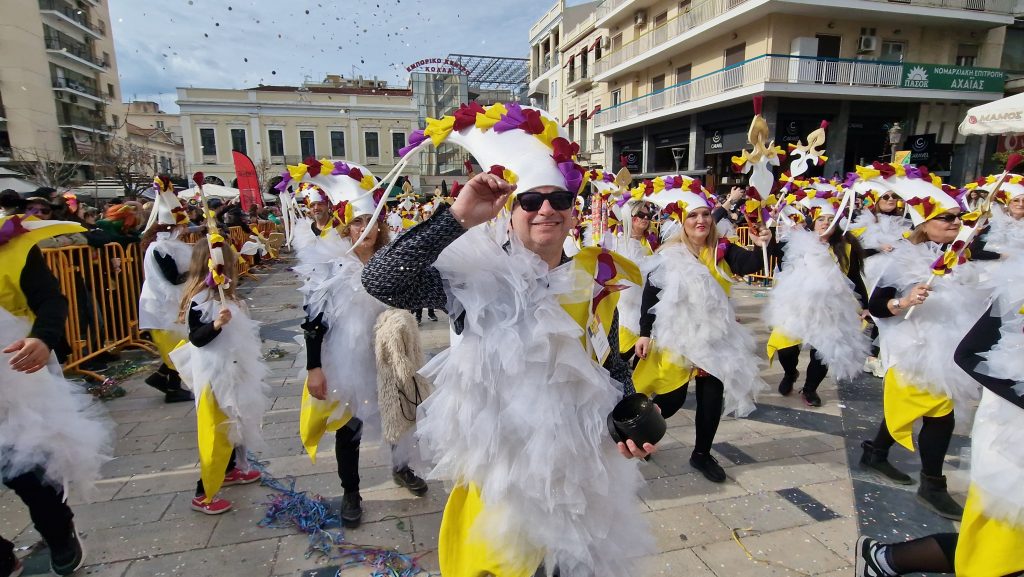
{"x": 165, "y": 44}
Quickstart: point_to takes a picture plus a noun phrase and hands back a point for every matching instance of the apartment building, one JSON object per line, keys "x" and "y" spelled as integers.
{"x": 363, "y": 121}
{"x": 546, "y": 47}
{"x": 676, "y": 78}
{"x": 58, "y": 76}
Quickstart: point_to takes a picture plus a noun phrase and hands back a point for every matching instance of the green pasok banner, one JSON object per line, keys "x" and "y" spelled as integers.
{"x": 939, "y": 77}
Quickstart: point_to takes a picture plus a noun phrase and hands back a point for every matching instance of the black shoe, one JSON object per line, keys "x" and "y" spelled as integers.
{"x": 707, "y": 464}
{"x": 178, "y": 396}
{"x": 432, "y": 317}
{"x": 158, "y": 381}
{"x": 351, "y": 510}
{"x": 405, "y": 477}
{"x": 67, "y": 557}
{"x": 867, "y": 564}
{"x": 786, "y": 384}
{"x": 877, "y": 461}
{"x": 933, "y": 494}
{"x": 810, "y": 397}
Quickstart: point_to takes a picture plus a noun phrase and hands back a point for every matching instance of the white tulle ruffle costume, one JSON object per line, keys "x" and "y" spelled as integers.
{"x": 629, "y": 298}
{"x": 814, "y": 302}
{"x": 696, "y": 323}
{"x": 159, "y": 297}
{"x": 231, "y": 366}
{"x": 49, "y": 423}
{"x": 921, "y": 347}
{"x": 520, "y": 412}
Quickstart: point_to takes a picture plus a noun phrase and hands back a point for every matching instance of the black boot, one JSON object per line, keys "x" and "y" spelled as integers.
{"x": 174, "y": 392}
{"x": 707, "y": 464}
{"x": 811, "y": 397}
{"x": 158, "y": 380}
{"x": 933, "y": 494}
{"x": 351, "y": 510}
{"x": 405, "y": 477}
{"x": 786, "y": 384}
{"x": 877, "y": 461}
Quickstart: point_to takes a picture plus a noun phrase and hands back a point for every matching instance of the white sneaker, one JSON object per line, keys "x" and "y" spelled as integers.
{"x": 874, "y": 366}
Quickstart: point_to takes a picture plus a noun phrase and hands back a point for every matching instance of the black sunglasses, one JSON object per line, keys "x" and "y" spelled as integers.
{"x": 887, "y": 197}
{"x": 948, "y": 217}
{"x": 642, "y": 216}
{"x": 559, "y": 199}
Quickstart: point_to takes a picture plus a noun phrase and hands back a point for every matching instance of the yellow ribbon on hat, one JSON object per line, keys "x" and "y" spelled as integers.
{"x": 326, "y": 166}
{"x": 867, "y": 172}
{"x": 550, "y": 132}
{"x": 297, "y": 172}
{"x": 439, "y": 129}
{"x": 368, "y": 182}
{"x": 491, "y": 116}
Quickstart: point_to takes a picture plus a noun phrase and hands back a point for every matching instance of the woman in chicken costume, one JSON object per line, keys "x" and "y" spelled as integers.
{"x": 688, "y": 328}
{"x": 518, "y": 420}
{"x": 921, "y": 381}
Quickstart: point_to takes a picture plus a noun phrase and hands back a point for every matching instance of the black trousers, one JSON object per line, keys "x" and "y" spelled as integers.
{"x": 50, "y": 515}
{"x": 710, "y": 400}
{"x": 200, "y": 490}
{"x": 816, "y": 370}
{"x": 346, "y": 451}
{"x": 932, "y": 441}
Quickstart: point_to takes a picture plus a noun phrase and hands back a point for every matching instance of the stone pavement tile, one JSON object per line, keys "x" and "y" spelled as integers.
{"x": 287, "y": 403}
{"x": 291, "y": 557}
{"x": 394, "y": 533}
{"x": 299, "y": 465}
{"x": 14, "y": 516}
{"x": 146, "y": 540}
{"x": 165, "y": 426}
{"x": 834, "y": 461}
{"x": 282, "y": 447}
{"x": 280, "y": 416}
{"x": 836, "y": 495}
{"x": 252, "y": 496}
{"x": 281, "y": 430}
{"x": 150, "y": 463}
{"x": 164, "y": 411}
{"x": 328, "y": 484}
{"x": 253, "y": 559}
{"x": 687, "y": 489}
{"x": 781, "y": 447}
{"x": 673, "y": 461}
{"x": 789, "y": 553}
{"x": 177, "y": 441}
{"x": 429, "y": 562}
{"x": 680, "y": 563}
{"x": 839, "y": 535}
{"x": 241, "y": 525}
{"x": 122, "y": 429}
{"x": 684, "y": 527}
{"x": 132, "y": 511}
{"x": 399, "y": 502}
{"x": 137, "y": 445}
{"x": 652, "y": 469}
{"x": 155, "y": 484}
{"x": 762, "y": 512}
{"x": 103, "y": 569}
{"x": 770, "y": 430}
{"x": 780, "y": 474}
{"x": 140, "y": 397}
{"x": 844, "y": 572}
{"x": 425, "y": 530}
{"x": 104, "y": 490}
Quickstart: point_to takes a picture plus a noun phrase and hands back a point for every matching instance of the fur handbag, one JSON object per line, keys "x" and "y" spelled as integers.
{"x": 399, "y": 389}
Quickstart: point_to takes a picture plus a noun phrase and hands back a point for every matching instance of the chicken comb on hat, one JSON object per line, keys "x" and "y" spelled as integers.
{"x": 923, "y": 192}
{"x": 676, "y": 194}
{"x": 522, "y": 144}
{"x": 1012, "y": 187}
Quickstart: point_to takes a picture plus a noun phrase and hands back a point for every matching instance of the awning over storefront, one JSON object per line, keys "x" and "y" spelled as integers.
{"x": 1000, "y": 117}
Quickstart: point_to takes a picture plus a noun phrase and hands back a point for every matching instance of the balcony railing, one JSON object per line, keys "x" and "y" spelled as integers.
{"x": 77, "y": 17}
{"x": 80, "y": 51}
{"x": 93, "y": 122}
{"x": 775, "y": 68}
{"x": 708, "y": 10}
{"x": 76, "y": 86}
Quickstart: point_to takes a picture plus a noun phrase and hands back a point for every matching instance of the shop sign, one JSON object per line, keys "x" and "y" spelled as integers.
{"x": 937, "y": 77}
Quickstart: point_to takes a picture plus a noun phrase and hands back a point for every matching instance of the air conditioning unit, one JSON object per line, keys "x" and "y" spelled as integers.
{"x": 640, "y": 18}
{"x": 868, "y": 44}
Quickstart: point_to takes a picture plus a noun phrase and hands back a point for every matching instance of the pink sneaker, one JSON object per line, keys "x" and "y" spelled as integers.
{"x": 239, "y": 477}
{"x": 216, "y": 506}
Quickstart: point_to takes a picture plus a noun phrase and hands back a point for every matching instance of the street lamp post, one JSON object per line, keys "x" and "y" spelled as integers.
{"x": 895, "y": 137}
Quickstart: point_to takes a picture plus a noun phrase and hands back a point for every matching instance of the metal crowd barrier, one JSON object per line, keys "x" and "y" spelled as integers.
{"x": 766, "y": 277}
{"x": 102, "y": 288}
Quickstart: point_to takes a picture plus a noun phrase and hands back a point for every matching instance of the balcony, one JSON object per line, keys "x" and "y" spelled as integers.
{"x": 579, "y": 80}
{"x": 61, "y": 12}
{"x": 817, "y": 77}
{"x": 703, "y": 20}
{"x": 579, "y": 30}
{"x": 76, "y": 53}
{"x": 84, "y": 122}
{"x": 76, "y": 89}
{"x": 546, "y": 64}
